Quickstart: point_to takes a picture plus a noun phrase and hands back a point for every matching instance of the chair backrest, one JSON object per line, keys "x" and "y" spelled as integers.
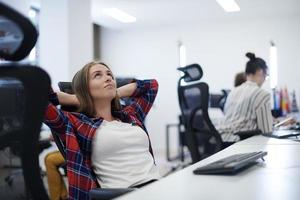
{"x": 218, "y": 100}
{"x": 224, "y": 98}
{"x": 194, "y": 101}
{"x": 24, "y": 96}
{"x": 214, "y": 100}
{"x": 67, "y": 88}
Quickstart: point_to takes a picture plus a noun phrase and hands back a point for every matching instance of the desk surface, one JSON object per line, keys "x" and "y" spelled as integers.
{"x": 264, "y": 140}
{"x": 276, "y": 178}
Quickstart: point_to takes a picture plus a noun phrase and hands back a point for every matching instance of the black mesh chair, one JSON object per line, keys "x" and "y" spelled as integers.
{"x": 24, "y": 96}
{"x": 201, "y": 137}
{"x": 224, "y": 98}
{"x": 218, "y": 100}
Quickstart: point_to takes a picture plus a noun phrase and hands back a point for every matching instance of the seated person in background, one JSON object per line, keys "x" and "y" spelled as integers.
{"x": 56, "y": 185}
{"x": 248, "y": 106}
{"x": 239, "y": 79}
{"x": 107, "y": 145}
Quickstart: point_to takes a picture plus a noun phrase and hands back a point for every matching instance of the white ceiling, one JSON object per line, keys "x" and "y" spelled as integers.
{"x": 151, "y": 13}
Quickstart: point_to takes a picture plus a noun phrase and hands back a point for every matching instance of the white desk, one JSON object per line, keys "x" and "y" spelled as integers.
{"x": 262, "y": 140}
{"x": 276, "y": 178}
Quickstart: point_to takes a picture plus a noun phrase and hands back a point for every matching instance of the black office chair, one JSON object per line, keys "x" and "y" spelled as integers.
{"x": 97, "y": 193}
{"x": 201, "y": 137}
{"x": 218, "y": 100}
{"x": 214, "y": 100}
{"x": 24, "y": 96}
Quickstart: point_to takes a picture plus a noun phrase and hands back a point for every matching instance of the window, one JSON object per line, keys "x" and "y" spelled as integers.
{"x": 182, "y": 54}
{"x": 33, "y": 15}
{"x": 273, "y": 66}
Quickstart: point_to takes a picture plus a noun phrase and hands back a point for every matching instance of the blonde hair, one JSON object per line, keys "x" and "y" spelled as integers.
{"x": 80, "y": 85}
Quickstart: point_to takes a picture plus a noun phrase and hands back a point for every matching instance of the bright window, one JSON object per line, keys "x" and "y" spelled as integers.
{"x": 273, "y": 66}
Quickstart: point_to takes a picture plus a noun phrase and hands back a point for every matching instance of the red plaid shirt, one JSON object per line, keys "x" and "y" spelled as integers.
{"x": 77, "y": 132}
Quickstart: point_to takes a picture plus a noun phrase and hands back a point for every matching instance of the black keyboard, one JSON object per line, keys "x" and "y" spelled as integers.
{"x": 231, "y": 164}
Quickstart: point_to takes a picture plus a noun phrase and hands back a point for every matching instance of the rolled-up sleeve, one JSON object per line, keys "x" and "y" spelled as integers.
{"x": 55, "y": 118}
{"x": 143, "y": 98}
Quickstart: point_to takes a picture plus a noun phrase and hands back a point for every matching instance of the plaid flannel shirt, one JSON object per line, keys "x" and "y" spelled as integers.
{"x": 77, "y": 131}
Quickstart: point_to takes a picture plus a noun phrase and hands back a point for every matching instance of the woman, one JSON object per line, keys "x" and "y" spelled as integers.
{"x": 106, "y": 146}
{"x": 248, "y": 107}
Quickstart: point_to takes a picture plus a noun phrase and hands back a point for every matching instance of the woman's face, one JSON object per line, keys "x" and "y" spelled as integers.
{"x": 102, "y": 84}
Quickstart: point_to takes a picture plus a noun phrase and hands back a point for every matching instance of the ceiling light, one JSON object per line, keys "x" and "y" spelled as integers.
{"x": 119, "y": 15}
{"x": 229, "y": 5}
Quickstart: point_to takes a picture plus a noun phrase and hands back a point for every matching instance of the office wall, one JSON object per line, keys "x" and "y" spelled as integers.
{"x": 218, "y": 46}
{"x": 21, "y": 6}
{"x": 80, "y": 34}
{"x": 53, "y": 40}
{"x": 65, "y": 37}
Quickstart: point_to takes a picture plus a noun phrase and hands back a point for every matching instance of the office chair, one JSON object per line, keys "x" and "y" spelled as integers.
{"x": 15, "y": 150}
{"x": 24, "y": 96}
{"x": 214, "y": 100}
{"x": 97, "y": 193}
{"x": 201, "y": 137}
{"x": 218, "y": 100}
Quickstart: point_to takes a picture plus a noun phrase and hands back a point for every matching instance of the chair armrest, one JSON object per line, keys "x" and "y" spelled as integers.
{"x": 108, "y": 193}
{"x": 246, "y": 134}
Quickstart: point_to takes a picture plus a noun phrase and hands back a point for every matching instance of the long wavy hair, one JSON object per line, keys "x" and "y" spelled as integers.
{"x": 80, "y": 85}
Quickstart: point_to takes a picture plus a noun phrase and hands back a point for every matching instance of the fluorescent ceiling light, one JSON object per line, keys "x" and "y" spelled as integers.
{"x": 119, "y": 15}
{"x": 229, "y": 5}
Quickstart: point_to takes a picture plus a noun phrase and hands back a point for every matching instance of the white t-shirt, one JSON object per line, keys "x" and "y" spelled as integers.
{"x": 121, "y": 157}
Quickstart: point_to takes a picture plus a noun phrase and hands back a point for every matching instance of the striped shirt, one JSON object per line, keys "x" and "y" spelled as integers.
{"x": 247, "y": 108}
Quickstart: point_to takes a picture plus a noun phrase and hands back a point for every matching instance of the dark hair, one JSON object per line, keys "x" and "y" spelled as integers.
{"x": 80, "y": 85}
{"x": 239, "y": 79}
{"x": 255, "y": 64}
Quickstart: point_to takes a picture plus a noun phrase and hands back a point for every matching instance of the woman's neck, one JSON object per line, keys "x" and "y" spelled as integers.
{"x": 252, "y": 78}
{"x": 103, "y": 110}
